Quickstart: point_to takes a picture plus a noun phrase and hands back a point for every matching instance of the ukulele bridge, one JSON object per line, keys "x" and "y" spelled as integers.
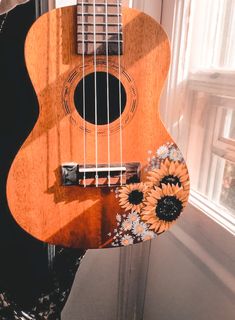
{"x": 103, "y": 175}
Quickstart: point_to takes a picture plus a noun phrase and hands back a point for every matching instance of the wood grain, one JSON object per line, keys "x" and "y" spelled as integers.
{"x": 74, "y": 216}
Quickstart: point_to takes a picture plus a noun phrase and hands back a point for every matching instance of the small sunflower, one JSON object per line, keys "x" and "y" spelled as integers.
{"x": 171, "y": 172}
{"x": 163, "y": 206}
{"x": 132, "y": 196}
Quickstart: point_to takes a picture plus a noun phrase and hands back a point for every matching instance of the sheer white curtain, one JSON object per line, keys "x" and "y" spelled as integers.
{"x": 198, "y": 106}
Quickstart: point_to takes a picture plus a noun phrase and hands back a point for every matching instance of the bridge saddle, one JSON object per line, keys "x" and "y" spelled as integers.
{"x": 73, "y": 174}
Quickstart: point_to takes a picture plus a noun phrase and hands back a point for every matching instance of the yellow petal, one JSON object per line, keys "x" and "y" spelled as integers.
{"x": 172, "y": 168}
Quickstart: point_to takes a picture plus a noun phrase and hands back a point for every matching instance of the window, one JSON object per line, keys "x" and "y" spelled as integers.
{"x": 200, "y": 101}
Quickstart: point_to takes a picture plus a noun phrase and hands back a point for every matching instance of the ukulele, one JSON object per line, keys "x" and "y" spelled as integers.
{"x": 99, "y": 168}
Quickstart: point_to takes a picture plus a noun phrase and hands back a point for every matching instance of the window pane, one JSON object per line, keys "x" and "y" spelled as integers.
{"x": 229, "y": 127}
{"x": 227, "y": 197}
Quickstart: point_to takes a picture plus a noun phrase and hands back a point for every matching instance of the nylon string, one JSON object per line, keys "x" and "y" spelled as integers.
{"x": 84, "y": 94}
{"x": 107, "y": 81}
{"x": 95, "y": 85}
{"x": 120, "y": 93}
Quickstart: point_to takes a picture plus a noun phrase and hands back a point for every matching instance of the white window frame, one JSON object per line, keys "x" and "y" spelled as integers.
{"x": 214, "y": 84}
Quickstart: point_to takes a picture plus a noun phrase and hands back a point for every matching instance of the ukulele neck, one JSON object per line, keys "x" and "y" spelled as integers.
{"x": 99, "y": 27}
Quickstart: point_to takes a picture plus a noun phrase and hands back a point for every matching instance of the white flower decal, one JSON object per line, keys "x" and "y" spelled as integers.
{"x": 118, "y": 217}
{"x": 139, "y": 228}
{"x": 148, "y": 235}
{"x": 163, "y": 152}
{"x": 130, "y": 229}
{"x": 127, "y": 225}
{"x": 175, "y": 154}
{"x": 133, "y": 216}
{"x": 126, "y": 240}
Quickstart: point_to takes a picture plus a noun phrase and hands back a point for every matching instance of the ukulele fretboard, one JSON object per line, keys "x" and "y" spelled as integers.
{"x": 99, "y": 27}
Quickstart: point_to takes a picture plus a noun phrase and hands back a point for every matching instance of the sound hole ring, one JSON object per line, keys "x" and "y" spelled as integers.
{"x": 70, "y": 86}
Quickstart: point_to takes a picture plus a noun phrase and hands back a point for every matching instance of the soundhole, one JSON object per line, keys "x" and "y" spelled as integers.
{"x": 116, "y": 97}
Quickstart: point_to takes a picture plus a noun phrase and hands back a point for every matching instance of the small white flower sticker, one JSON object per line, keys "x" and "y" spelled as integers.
{"x": 118, "y": 217}
{"x": 126, "y": 240}
{"x": 175, "y": 154}
{"x": 148, "y": 235}
{"x": 139, "y": 228}
{"x": 133, "y": 216}
{"x": 163, "y": 152}
{"x": 127, "y": 225}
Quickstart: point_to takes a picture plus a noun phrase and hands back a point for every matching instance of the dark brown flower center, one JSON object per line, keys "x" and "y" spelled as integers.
{"x": 136, "y": 197}
{"x": 172, "y": 180}
{"x": 168, "y": 208}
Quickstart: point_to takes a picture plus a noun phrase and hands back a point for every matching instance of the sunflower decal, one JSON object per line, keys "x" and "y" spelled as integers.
{"x": 132, "y": 196}
{"x": 163, "y": 206}
{"x": 151, "y": 207}
{"x": 170, "y": 172}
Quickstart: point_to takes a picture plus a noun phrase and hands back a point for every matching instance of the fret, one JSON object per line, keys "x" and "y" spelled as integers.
{"x": 99, "y": 19}
{"x": 98, "y": 9}
{"x": 99, "y": 4}
{"x": 100, "y": 24}
{"x": 100, "y": 41}
{"x": 113, "y": 48}
{"x": 99, "y": 37}
{"x": 86, "y": 33}
{"x": 90, "y": 28}
{"x": 100, "y": 14}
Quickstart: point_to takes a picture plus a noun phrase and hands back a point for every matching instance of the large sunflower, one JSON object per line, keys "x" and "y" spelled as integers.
{"x": 163, "y": 206}
{"x": 132, "y": 196}
{"x": 171, "y": 172}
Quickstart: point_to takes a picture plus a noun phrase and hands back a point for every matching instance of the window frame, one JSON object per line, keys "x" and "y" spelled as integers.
{"x": 218, "y": 87}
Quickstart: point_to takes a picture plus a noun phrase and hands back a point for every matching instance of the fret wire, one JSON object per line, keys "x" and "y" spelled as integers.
{"x": 99, "y": 33}
{"x": 101, "y": 41}
{"x": 101, "y": 24}
{"x": 100, "y": 4}
{"x": 100, "y": 14}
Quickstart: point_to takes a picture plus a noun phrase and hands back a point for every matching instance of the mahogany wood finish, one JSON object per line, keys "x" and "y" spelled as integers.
{"x": 74, "y": 216}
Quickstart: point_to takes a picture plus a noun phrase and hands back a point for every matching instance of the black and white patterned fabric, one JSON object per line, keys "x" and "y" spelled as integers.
{"x": 49, "y": 304}
{"x": 30, "y": 288}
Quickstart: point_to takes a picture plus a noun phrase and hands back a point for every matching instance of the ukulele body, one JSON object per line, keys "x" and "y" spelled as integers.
{"x": 93, "y": 217}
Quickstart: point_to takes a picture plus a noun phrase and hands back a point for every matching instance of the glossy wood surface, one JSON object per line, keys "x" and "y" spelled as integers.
{"x": 74, "y": 216}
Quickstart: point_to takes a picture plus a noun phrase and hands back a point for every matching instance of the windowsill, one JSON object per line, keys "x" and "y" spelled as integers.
{"x": 216, "y": 213}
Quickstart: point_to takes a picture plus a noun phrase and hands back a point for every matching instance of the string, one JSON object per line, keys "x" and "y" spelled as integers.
{"x": 84, "y": 95}
{"x": 120, "y": 93}
{"x": 107, "y": 81}
{"x": 95, "y": 85}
